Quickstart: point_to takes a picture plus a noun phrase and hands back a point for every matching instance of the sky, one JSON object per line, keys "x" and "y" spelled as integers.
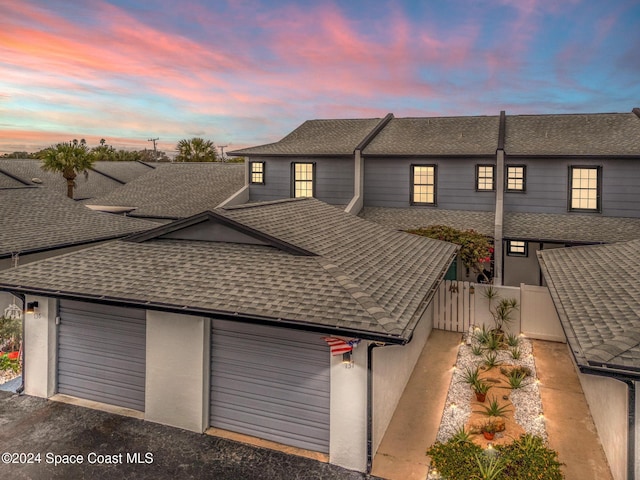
{"x": 247, "y": 72}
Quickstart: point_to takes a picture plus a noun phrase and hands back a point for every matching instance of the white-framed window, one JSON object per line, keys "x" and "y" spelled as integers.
{"x": 516, "y": 176}
{"x": 584, "y": 188}
{"x": 303, "y": 179}
{"x": 485, "y": 177}
{"x": 517, "y": 248}
{"x": 423, "y": 184}
{"x": 256, "y": 172}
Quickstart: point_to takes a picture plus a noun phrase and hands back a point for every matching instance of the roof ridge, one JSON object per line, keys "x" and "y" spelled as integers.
{"x": 364, "y": 299}
{"x": 265, "y": 203}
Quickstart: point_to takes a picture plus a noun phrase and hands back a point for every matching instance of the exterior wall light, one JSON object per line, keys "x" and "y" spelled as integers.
{"x": 32, "y": 307}
{"x": 347, "y": 359}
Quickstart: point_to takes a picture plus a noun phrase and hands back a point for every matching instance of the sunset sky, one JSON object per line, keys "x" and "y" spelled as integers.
{"x": 247, "y": 72}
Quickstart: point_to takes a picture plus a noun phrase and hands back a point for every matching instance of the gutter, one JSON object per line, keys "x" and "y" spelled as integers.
{"x": 630, "y": 381}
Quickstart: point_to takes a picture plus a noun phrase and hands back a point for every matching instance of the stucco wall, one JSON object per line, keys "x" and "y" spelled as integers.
{"x": 392, "y": 367}
{"x": 177, "y": 371}
{"x": 539, "y": 318}
{"x": 39, "y": 345}
{"x": 348, "y": 429}
{"x": 607, "y": 399}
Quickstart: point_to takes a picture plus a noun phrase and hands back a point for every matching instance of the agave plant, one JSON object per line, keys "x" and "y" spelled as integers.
{"x": 494, "y": 409}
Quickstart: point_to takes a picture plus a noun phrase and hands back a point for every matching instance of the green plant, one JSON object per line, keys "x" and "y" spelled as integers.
{"x": 481, "y": 387}
{"x": 461, "y": 435}
{"x": 489, "y": 467}
{"x": 10, "y": 334}
{"x": 489, "y": 426}
{"x": 455, "y": 460}
{"x": 494, "y": 409}
{"x": 493, "y": 341}
{"x": 491, "y": 359}
{"x": 476, "y": 349}
{"x": 528, "y": 457}
{"x": 522, "y": 370}
{"x": 515, "y": 378}
{"x": 512, "y": 340}
{"x": 481, "y": 334}
{"x": 515, "y": 353}
{"x": 471, "y": 375}
{"x": 503, "y": 311}
{"x": 7, "y": 364}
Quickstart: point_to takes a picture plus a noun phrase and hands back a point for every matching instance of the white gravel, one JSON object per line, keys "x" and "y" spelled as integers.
{"x": 526, "y": 400}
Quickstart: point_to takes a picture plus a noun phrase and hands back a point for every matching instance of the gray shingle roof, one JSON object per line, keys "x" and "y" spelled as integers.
{"x": 417, "y": 217}
{"x": 318, "y": 137}
{"x": 570, "y": 227}
{"x": 95, "y": 184}
{"x": 364, "y": 277}
{"x": 36, "y": 218}
{"x": 177, "y": 190}
{"x": 573, "y": 134}
{"x": 437, "y": 136}
{"x": 595, "y": 291}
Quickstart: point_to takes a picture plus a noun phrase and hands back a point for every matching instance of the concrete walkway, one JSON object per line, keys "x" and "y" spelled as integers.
{"x": 414, "y": 426}
{"x": 415, "y": 423}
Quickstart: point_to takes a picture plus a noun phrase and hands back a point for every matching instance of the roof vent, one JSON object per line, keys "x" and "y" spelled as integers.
{"x": 36, "y": 180}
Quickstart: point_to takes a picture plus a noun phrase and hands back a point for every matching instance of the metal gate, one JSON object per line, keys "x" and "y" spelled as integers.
{"x": 101, "y": 353}
{"x": 272, "y": 383}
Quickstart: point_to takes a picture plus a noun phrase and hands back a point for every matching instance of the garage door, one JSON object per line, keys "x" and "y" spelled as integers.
{"x": 271, "y": 383}
{"x": 101, "y": 353}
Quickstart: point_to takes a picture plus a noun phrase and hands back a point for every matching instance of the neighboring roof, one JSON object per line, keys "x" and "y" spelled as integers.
{"x": 318, "y": 137}
{"x": 570, "y": 228}
{"x": 36, "y": 219}
{"x": 418, "y": 217}
{"x": 573, "y": 134}
{"x": 357, "y": 278}
{"x": 437, "y": 136}
{"x": 95, "y": 184}
{"x": 177, "y": 190}
{"x": 595, "y": 291}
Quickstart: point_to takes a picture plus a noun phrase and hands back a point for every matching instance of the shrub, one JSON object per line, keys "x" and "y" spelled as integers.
{"x": 455, "y": 460}
{"x": 528, "y": 457}
{"x": 10, "y": 334}
{"x": 7, "y": 364}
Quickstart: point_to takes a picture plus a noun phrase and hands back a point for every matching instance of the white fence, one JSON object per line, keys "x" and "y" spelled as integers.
{"x": 458, "y": 305}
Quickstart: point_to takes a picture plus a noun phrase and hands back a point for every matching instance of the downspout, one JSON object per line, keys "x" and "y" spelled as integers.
{"x": 23, "y": 299}
{"x": 370, "y": 403}
{"x": 631, "y": 406}
{"x": 498, "y": 259}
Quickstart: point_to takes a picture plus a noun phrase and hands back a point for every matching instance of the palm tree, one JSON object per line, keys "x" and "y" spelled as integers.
{"x": 68, "y": 158}
{"x": 196, "y": 150}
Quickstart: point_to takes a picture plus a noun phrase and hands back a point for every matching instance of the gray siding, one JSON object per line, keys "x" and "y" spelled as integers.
{"x": 334, "y": 179}
{"x": 525, "y": 270}
{"x": 547, "y": 186}
{"x": 387, "y": 183}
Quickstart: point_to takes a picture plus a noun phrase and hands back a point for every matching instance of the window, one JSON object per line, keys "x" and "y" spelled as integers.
{"x": 256, "y": 172}
{"x": 484, "y": 177}
{"x": 423, "y": 184}
{"x": 515, "y": 178}
{"x": 517, "y": 248}
{"x": 303, "y": 179}
{"x": 584, "y": 188}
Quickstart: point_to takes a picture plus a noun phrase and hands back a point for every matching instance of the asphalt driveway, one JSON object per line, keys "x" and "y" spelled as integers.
{"x": 54, "y": 438}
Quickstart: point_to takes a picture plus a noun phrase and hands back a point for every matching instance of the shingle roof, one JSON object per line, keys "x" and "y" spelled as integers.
{"x": 570, "y": 228}
{"x": 95, "y": 184}
{"x": 437, "y": 136}
{"x": 36, "y": 218}
{"x": 595, "y": 291}
{"x": 573, "y": 134}
{"x": 177, "y": 190}
{"x": 416, "y": 217}
{"x": 318, "y": 137}
{"x": 363, "y": 278}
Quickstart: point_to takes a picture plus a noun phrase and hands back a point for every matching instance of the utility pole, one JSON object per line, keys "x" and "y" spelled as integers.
{"x": 155, "y": 152}
{"x": 222, "y": 147}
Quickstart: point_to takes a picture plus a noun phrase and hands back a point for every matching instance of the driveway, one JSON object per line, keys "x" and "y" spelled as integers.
{"x": 111, "y": 446}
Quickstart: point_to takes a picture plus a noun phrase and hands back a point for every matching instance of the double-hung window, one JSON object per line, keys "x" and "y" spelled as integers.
{"x": 423, "y": 184}
{"x": 584, "y": 188}
{"x": 485, "y": 178}
{"x": 303, "y": 175}
{"x": 515, "y": 178}
{"x": 517, "y": 248}
{"x": 256, "y": 172}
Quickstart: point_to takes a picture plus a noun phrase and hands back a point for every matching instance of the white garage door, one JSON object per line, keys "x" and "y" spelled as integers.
{"x": 271, "y": 383}
{"x": 101, "y": 353}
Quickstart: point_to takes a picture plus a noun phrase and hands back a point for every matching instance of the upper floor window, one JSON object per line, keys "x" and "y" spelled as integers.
{"x": 303, "y": 179}
{"x": 584, "y": 188}
{"x": 256, "y": 172}
{"x": 515, "y": 178}
{"x": 484, "y": 177}
{"x": 423, "y": 184}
